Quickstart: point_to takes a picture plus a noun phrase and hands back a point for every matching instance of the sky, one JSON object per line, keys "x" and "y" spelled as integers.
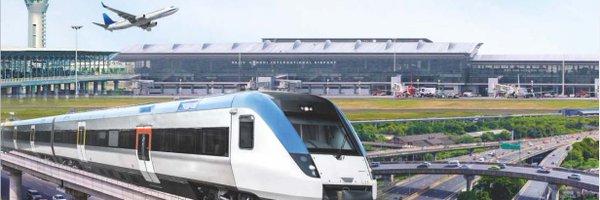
{"x": 504, "y": 26}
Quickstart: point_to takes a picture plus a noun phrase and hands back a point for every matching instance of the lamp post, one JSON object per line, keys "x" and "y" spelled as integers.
{"x": 438, "y": 88}
{"x": 532, "y": 93}
{"x": 76, "y": 28}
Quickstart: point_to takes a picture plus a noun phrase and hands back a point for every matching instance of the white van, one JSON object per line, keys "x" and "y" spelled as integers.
{"x": 453, "y": 163}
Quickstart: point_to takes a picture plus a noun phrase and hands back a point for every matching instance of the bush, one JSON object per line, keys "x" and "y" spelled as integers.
{"x": 523, "y": 127}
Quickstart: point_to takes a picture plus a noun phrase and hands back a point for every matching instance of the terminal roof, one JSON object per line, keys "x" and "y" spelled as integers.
{"x": 347, "y": 39}
{"x": 310, "y": 47}
{"x": 538, "y": 57}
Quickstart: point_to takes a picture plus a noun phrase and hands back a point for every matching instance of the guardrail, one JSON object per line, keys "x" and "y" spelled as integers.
{"x": 487, "y": 172}
{"x": 397, "y": 152}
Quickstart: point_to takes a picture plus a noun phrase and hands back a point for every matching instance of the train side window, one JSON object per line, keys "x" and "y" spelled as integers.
{"x": 215, "y": 141}
{"x": 113, "y": 138}
{"x": 23, "y": 133}
{"x": 246, "y": 132}
{"x": 6, "y": 133}
{"x": 101, "y": 138}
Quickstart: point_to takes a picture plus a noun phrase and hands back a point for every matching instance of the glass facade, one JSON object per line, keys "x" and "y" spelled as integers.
{"x": 312, "y": 68}
{"x": 338, "y": 67}
{"x": 33, "y": 64}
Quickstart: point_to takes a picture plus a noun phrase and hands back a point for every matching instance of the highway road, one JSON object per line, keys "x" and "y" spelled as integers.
{"x": 421, "y": 182}
{"x": 47, "y": 189}
{"x": 559, "y": 176}
{"x": 418, "y": 150}
{"x": 534, "y": 190}
{"x": 453, "y": 184}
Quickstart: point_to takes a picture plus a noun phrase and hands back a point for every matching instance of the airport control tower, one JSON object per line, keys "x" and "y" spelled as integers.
{"x": 36, "y": 37}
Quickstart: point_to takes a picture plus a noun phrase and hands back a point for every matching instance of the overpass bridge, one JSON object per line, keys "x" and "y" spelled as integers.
{"x": 76, "y": 182}
{"x": 420, "y": 150}
{"x": 557, "y": 176}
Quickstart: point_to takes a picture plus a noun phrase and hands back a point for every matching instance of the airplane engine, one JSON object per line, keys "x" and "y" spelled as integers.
{"x": 140, "y": 17}
{"x": 153, "y": 24}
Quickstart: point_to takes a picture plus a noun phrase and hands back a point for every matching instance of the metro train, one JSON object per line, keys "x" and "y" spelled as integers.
{"x": 247, "y": 145}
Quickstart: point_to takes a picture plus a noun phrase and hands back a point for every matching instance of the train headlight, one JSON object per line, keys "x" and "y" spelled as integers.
{"x": 306, "y": 164}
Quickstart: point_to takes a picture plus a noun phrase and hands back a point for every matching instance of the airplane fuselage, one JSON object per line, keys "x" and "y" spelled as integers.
{"x": 142, "y": 19}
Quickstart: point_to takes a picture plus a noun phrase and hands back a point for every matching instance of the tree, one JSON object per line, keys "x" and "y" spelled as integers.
{"x": 504, "y": 135}
{"x": 502, "y": 187}
{"x": 428, "y": 157}
{"x": 470, "y": 195}
{"x": 487, "y": 136}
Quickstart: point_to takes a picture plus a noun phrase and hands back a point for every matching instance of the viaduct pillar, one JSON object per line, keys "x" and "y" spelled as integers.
{"x": 554, "y": 192}
{"x": 469, "y": 179}
{"x": 14, "y": 183}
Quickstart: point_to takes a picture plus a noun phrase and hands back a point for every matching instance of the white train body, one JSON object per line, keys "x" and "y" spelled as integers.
{"x": 244, "y": 145}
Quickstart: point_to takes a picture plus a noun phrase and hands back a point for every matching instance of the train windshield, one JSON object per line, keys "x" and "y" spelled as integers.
{"x": 318, "y": 123}
{"x": 322, "y": 134}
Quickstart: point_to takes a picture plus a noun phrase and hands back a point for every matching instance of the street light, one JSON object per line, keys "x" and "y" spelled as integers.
{"x": 532, "y": 93}
{"x": 76, "y": 28}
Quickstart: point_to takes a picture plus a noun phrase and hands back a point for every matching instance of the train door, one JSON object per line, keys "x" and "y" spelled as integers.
{"x": 81, "y": 134}
{"x": 143, "y": 146}
{"x": 15, "y": 137}
{"x": 32, "y": 138}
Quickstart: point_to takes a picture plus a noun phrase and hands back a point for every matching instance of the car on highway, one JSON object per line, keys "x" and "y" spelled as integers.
{"x": 543, "y": 170}
{"x": 453, "y": 163}
{"x": 574, "y": 177}
{"x": 494, "y": 167}
{"x": 463, "y": 166}
{"x": 59, "y": 197}
{"x": 502, "y": 165}
{"x": 424, "y": 165}
{"x": 33, "y": 194}
{"x": 375, "y": 164}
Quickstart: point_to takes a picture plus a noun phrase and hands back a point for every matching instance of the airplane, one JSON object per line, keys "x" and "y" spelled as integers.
{"x": 144, "y": 21}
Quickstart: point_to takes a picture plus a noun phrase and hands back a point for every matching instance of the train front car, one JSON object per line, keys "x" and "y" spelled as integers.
{"x": 324, "y": 158}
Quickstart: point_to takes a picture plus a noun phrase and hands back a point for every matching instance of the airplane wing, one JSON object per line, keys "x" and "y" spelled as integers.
{"x": 124, "y": 15}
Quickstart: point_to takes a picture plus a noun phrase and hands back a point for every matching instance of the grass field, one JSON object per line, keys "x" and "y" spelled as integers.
{"x": 550, "y": 104}
{"x": 356, "y": 109}
{"x": 28, "y": 108}
{"x": 413, "y": 114}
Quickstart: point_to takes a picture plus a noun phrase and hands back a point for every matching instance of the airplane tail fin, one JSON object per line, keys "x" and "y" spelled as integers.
{"x": 107, "y": 20}
{"x": 101, "y": 25}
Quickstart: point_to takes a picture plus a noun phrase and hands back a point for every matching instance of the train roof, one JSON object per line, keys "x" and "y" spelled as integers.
{"x": 204, "y": 103}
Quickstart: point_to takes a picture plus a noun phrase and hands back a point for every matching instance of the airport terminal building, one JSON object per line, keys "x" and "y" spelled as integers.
{"x": 351, "y": 66}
